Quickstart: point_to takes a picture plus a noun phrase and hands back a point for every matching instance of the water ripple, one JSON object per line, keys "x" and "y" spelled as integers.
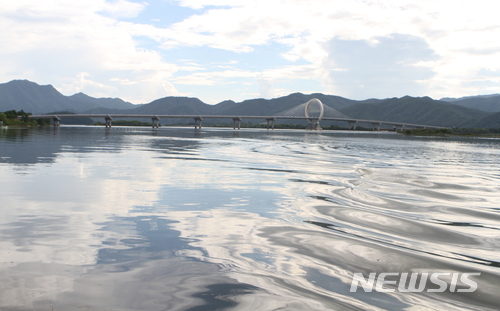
{"x": 176, "y": 219}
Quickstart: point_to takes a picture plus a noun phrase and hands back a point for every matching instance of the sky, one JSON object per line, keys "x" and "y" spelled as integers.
{"x": 242, "y": 49}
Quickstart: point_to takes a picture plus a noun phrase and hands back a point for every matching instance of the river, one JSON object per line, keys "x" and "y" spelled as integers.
{"x": 220, "y": 219}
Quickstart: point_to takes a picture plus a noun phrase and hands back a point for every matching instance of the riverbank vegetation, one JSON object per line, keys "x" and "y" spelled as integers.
{"x": 21, "y": 118}
{"x": 18, "y": 118}
{"x": 482, "y": 132}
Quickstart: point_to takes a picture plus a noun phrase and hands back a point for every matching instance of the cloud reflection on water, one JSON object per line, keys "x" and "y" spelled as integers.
{"x": 140, "y": 220}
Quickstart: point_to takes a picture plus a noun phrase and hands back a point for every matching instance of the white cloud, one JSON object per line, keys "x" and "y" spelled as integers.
{"x": 54, "y": 41}
{"x": 454, "y": 32}
{"x": 266, "y": 88}
{"x": 81, "y": 83}
{"x": 122, "y": 8}
{"x": 170, "y": 89}
{"x": 213, "y": 78}
{"x": 199, "y": 4}
{"x": 391, "y": 67}
{"x": 124, "y": 81}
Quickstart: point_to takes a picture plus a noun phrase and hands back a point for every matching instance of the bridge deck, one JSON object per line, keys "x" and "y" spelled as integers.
{"x": 170, "y": 116}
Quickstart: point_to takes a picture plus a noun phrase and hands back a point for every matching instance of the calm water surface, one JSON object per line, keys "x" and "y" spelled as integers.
{"x": 177, "y": 219}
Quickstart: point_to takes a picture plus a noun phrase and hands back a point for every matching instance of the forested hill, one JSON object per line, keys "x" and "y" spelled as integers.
{"x": 418, "y": 110}
{"x": 40, "y": 99}
{"x": 488, "y": 103}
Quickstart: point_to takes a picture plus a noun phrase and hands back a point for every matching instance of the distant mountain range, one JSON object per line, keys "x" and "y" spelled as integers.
{"x": 39, "y": 99}
{"x": 417, "y": 110}
{"x": 488, "y": 103}
{"x": 473, "y": 111}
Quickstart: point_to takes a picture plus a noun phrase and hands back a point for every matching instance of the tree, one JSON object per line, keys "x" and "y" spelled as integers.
{"x": 11, "y": 114}
{"x": 24, "y": 116}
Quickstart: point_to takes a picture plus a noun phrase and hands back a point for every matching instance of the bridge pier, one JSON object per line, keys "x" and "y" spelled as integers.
{"x": 197, "y": 123}
{"x": 296, "y": 113}
{"x": 271, "y": 122}
{"x": 313, "y": 126}
{"x": 57, "y": 121}
{"x": 399, "y": 127}
{"x": 236, "y": 122}
{"x": 108, "y": 121}
{"x": 155, "y": 121}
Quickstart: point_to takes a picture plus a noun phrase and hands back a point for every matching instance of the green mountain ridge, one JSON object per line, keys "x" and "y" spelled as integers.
{"x": 417, "y": 110}
{"x": 491, "y": 121}
{"x": 261, "y": 106}
{"x": 23, "y": 94}
{"x": 82, "y": 99}
{"x": 174, "y": 105}
{"x": 488, "y": 103}
{"x": 39, "y": 99}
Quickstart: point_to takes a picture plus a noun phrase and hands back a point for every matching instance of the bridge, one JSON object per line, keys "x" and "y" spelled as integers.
{"x": 313, "y": 111}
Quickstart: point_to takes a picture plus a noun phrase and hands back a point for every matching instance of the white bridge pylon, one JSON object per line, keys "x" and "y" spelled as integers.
{"x": 313, "y": 110}
{"x": 314, "y": 123}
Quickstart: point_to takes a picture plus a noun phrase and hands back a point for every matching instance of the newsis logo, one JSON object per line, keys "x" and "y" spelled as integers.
{"x": 415, "y": 283}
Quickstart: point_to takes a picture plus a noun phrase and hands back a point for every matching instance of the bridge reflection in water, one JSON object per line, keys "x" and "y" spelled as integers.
{"x": 313, "y": 111}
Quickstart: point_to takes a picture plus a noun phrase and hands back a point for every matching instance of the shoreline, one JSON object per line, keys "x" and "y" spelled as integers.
{"x": 447, "y": 133}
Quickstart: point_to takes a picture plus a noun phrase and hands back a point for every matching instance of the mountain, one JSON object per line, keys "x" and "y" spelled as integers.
{"x": 488, "y": 103}
{"x": 31, "y": 97}
{"x": 81, "y": 100}
{"x": 268, "y": 107}
{"x": 416, "y": 110}
{"x": 174, "y": 105}
{"x": 449, "y": 112}
{"x": 38, "y": 99}
{"x": 171, "y": 105}
{"x": 255, "y": 107}
{"x": 491, "y": 121}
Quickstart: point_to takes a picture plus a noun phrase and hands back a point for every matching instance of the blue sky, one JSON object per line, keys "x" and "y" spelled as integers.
{"x": 240, "y": 49}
